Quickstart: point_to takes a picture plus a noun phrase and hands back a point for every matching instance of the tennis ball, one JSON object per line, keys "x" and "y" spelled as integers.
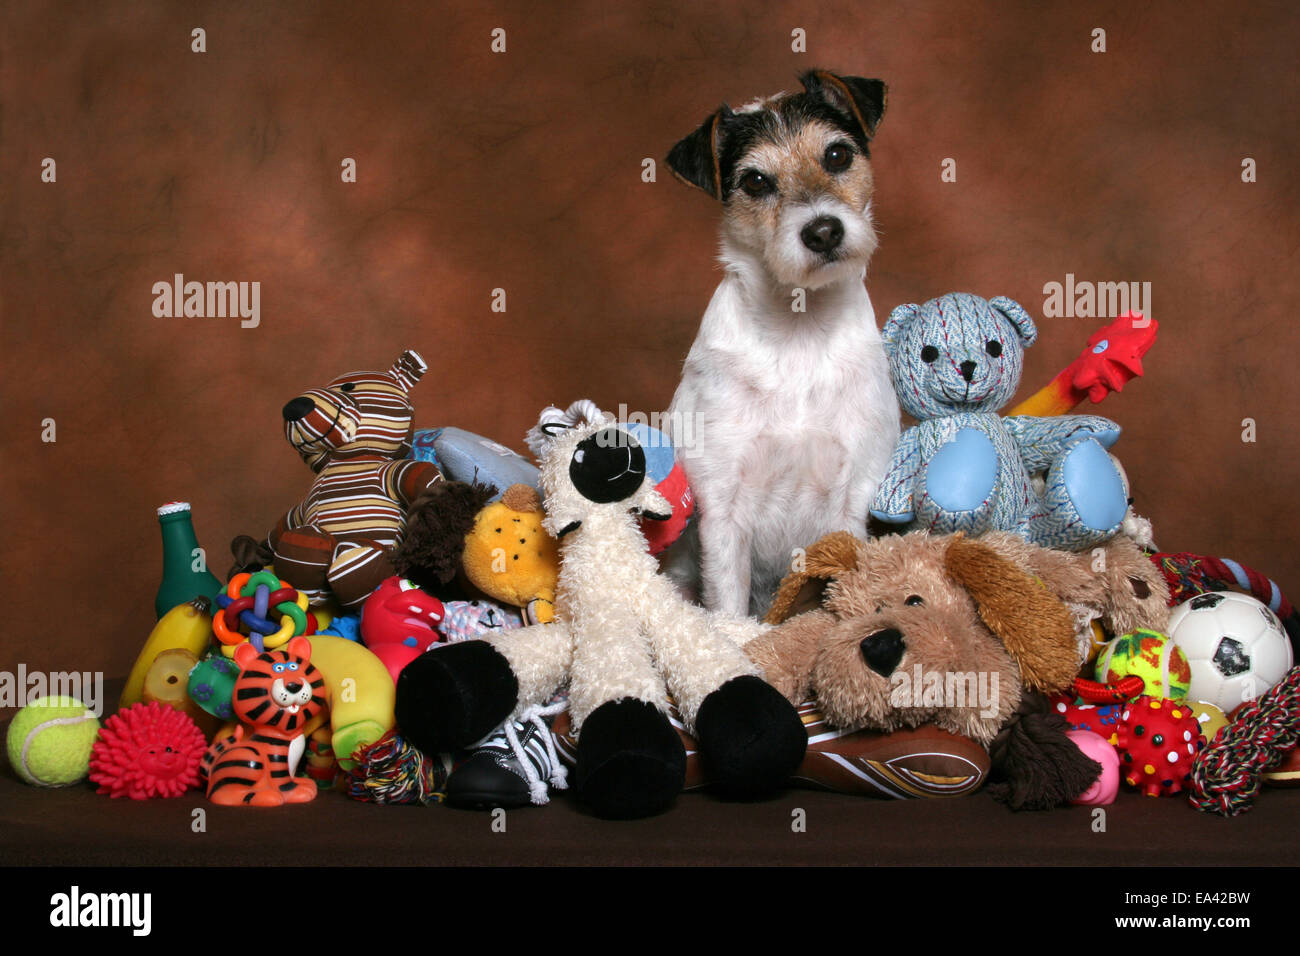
{"x": 49, "y": 741}
{"x": 1160, "y": 663}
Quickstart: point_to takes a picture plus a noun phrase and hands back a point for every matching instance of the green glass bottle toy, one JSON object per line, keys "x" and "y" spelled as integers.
{"x": 185, "y": 570}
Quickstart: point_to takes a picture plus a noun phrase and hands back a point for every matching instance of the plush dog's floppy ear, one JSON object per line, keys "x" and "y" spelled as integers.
{"x": 1032, "y": 623}
{"x": 695, "y": 160}
{"x": 1020, "y": 319}
{"x": 801, "y": 590}
{"x": 864, "y": 100}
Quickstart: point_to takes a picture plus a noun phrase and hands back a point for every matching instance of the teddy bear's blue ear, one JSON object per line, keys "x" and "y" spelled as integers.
{"x": 898, "y": 319}
{"x": 1018, "y": 317}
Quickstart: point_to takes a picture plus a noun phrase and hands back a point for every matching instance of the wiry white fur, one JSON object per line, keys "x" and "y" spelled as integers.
{"x": 792, "y": 419}
{"x": 620, "y": 629}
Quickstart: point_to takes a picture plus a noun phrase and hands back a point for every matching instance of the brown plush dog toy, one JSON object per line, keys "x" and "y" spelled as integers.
{"x": 918, "y": 629}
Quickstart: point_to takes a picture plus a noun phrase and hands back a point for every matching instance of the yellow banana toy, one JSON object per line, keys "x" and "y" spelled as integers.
{"x": 361, "y": 693}
{"x": 186, "y": 626}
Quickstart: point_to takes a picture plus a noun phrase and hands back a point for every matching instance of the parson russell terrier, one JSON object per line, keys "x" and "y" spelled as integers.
{"x": 786, "y": 388}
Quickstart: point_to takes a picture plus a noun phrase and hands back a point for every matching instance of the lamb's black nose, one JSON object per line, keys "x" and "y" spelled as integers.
{"x": 608, "y": 466}
{"x": 298, "y": 409}
{"x": 883, "y": 650}
{"x": 968, "y": 370}
{"x": 823, "y": 234}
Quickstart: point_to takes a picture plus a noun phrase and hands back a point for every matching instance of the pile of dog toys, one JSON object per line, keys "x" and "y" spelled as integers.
{"x": 441, "y": 620}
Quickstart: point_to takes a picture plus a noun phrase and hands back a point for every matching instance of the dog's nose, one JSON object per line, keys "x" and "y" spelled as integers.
{"x": 823, "y": 234}
{"x": 968, "y": 370}
{"x": 883, "y": 650}
{"x": 298, "y": 409}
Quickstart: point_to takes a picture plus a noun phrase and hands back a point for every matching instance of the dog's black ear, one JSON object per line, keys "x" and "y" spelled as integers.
{"x": 695, "y": 159}
{"x": 864, "y": 100}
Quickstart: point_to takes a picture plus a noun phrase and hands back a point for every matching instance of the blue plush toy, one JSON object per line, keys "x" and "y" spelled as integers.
{"x": 955, "y": 361}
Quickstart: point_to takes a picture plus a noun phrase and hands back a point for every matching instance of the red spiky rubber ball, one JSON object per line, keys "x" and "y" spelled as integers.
{"x": 1158, "y": 740}
{"x": 147, "y": 750}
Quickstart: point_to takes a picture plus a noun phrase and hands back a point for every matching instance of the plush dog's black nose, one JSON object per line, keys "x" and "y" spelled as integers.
{"x": 968, "y": 370}
{"x": 298, "y": 409}
{"x": 823, "y": 234}
{"x": 883, "y": 650}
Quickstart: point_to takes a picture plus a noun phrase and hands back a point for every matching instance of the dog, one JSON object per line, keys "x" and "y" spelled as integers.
{"x": 785, "y": 394}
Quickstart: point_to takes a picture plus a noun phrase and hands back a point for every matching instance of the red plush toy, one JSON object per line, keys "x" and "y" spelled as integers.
{"x": 147, "y": 750}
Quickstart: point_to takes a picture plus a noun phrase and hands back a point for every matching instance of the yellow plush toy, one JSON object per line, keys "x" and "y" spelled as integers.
{"x": 511, "y": 558}
{"x": 494, "y": 549}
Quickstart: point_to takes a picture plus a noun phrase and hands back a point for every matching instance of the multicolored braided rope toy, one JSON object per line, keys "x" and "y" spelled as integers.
{"x": 1227, "y": 774}
{"x": 390, "y": 771}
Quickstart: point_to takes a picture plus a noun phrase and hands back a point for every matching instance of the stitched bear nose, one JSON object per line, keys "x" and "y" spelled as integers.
{"x": 968, "y": 370}
{"x": 823, "y": 234}
{"x": 883, "y": 650}
{"x": 298, "y": 409}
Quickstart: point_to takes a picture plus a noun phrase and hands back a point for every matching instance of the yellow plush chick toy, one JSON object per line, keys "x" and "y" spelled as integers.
{"x": 511, "y": 558}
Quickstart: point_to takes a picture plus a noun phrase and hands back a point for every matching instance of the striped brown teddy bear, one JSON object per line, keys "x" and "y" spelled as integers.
{"x": 355, "y": 434}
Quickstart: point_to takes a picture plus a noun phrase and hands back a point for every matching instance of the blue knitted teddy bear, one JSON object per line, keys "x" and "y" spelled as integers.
{"x": 955, "y": 361}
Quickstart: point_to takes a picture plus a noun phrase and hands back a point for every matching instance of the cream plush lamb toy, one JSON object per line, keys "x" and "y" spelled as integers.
{"x": 622, "y": 639}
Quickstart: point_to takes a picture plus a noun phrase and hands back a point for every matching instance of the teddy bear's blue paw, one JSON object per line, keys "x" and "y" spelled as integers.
{"x": 1094, "y": 486}
{"x": 960, "y": 476}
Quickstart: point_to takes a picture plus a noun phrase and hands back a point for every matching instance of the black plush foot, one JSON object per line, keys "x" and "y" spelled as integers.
{"x": 630, "y": 761}
{"x": 453, "y": 696}
{"x": 751, "y": 738}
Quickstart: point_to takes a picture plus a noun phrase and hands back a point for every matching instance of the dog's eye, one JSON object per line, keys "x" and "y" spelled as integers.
{"x": 756, "y": 184}
{"x": 993, "y": 347}
{"x": 929, "y": 354}
{"x": 838, "y": 156}
{"x": 913, "y": 600}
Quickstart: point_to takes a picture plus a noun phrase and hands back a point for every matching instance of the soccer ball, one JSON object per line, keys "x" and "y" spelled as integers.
{"x": 1236, "y": 646}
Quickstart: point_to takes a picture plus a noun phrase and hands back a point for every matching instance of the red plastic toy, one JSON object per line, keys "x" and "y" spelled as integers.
{"x": 147, "y": 750}
{"x": 400, "y": 622}
{"x": 1112, "y": 357}
{"x": 1158, "y": 741}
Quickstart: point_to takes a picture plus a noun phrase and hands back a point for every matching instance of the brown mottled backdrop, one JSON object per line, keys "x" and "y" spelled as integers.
{"x": 522, "y": 171}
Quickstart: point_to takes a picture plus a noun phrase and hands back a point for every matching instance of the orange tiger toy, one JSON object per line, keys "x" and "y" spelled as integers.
{"x": 276, "y": 694}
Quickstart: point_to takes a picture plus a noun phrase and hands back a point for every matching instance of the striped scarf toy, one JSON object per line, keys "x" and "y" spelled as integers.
{"x": 355, "y": 434}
